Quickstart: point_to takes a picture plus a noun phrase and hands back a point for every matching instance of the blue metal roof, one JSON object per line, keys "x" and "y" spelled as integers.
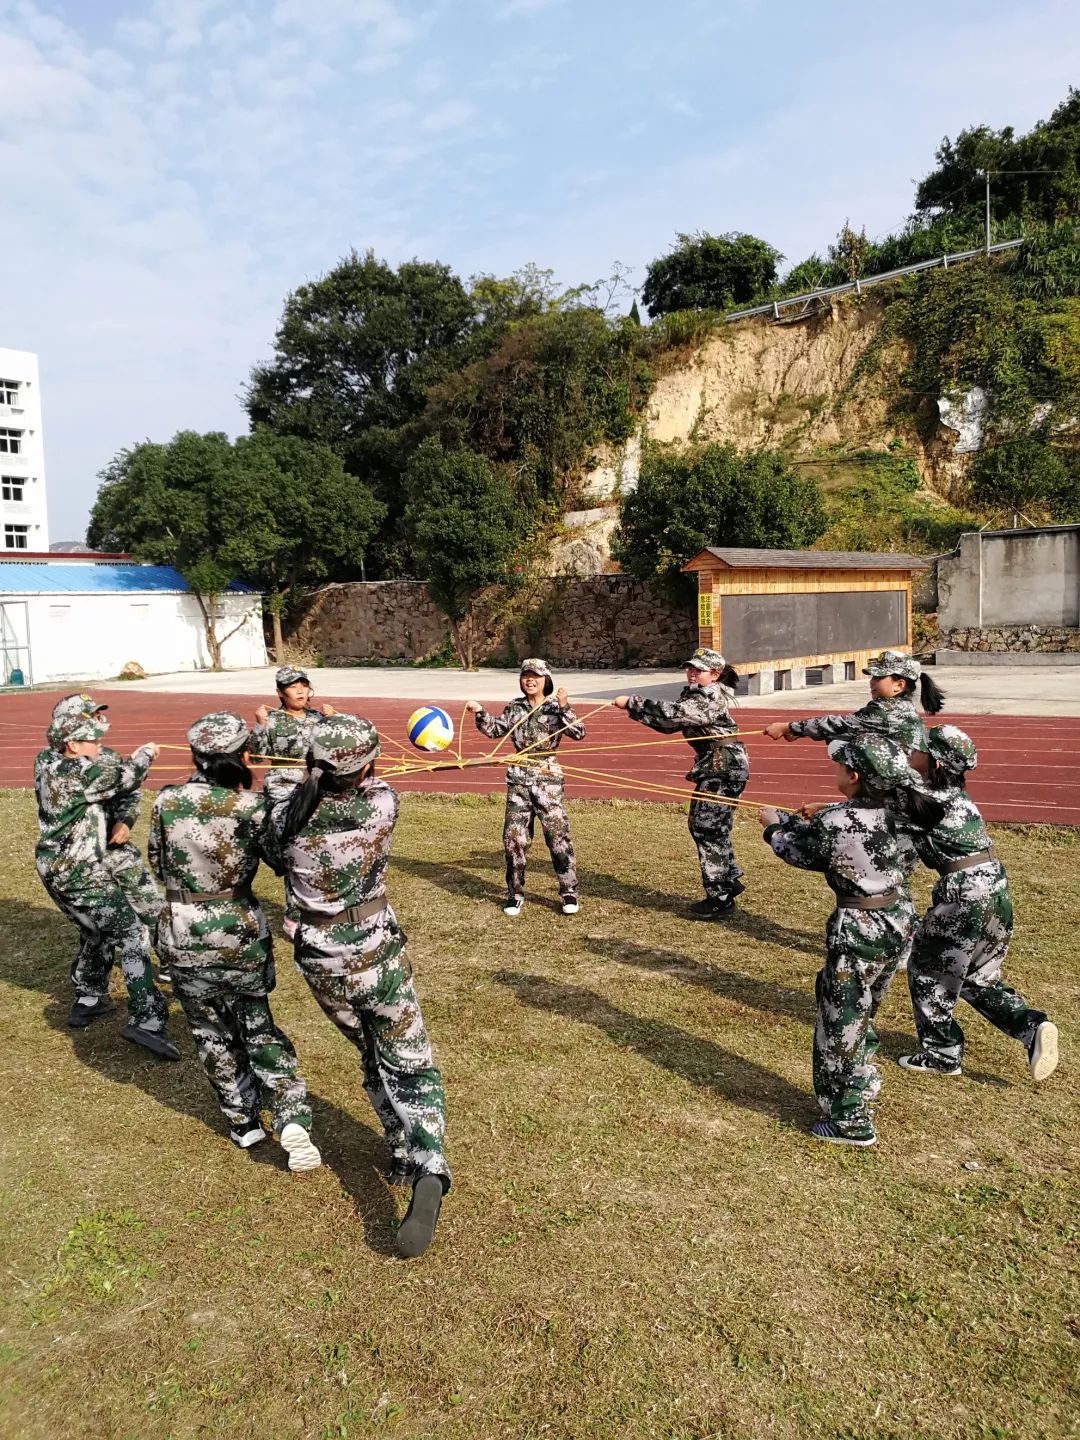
{"x": 29, "y": 578}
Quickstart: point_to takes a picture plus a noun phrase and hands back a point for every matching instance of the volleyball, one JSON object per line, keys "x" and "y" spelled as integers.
{"x": 430, "y": 728}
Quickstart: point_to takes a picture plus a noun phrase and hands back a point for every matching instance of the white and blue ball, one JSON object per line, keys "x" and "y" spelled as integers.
{"x": 430, "y": 728}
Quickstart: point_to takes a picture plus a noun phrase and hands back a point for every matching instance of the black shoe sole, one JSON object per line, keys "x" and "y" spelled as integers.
{"x": 151, "y": 1040}
{"x": 82, "y": 1015}
{"x": 418, "y": 1228}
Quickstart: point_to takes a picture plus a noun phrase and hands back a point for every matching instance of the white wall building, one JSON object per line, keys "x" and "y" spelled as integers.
{"x": 64, "y": 618}
{"x": 24, "y": 519}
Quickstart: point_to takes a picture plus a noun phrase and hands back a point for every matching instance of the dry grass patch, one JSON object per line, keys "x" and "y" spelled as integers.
{"x": 640, "y": 1240}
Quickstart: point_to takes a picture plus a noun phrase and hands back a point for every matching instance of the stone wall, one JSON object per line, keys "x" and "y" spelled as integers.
{"x": 1013, "y": 639}
{"x": 586, "y": 621}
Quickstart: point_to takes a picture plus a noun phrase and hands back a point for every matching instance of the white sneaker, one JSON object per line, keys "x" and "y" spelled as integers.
{"x": 513, "y": 907}
{"x": 1043, "y": 1055}
{"x": 570, "y": 905}
{"x": 249, "y": 1136}
{"x": 303, "y": 1154}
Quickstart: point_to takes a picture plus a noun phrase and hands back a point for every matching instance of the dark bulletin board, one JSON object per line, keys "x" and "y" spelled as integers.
{"x": 782, "y": 627}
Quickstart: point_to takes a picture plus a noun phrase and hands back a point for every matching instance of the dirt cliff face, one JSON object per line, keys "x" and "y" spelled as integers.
{"x": 796, "y": 386}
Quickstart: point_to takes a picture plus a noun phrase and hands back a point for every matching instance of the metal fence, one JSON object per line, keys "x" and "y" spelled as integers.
{"x": 775, "y": 308}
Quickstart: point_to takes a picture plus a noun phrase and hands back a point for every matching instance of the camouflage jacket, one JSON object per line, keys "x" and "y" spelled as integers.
{"x": 896, "y": 717}
{"x": 72, "y": 795}
{"x": 206, "y": 839}
{"x": 529, "y": 727}
{"x": 852, "y": 843}
{"x": 957, "y": 835}
{"x": 700, "y": 711}
{"x": 340, "y": 857}
{"x": 284, "y": 734}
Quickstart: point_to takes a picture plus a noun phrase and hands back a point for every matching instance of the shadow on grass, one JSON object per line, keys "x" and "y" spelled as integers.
{"x": 462, "y": 879}
{"x": 701, "y": 1062}
{"x": 352, "y": 1150}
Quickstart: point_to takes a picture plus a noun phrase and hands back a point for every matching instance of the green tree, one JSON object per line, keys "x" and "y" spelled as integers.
{"x": 710, "y": 272}
{"x": 466, "y": 526}
{"x": 712, "y": 495}
{"x": 849, "y": 252}
{"x": 354, "y": 357}
{"x": 1027, "y": 473}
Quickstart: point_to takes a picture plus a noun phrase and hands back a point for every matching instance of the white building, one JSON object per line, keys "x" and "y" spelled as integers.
{"x": 23, "y": 514}
{"x": 83, "y": 618}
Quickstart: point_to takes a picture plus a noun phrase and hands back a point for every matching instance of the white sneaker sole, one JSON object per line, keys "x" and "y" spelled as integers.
{"x": 569, "y": 909}
{"x": 512, "y": 910}
{"x": 303, "y": 1155}
{"x": 1044, "y": 1053}
{"x": 927, "y": 1069}
{"x": 248, "y": 1138}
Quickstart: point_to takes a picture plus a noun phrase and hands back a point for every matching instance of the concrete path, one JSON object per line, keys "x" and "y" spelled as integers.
{"x": 971, "y": 690}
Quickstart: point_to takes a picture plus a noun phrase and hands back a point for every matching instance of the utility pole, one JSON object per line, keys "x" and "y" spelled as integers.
{"x": 987, "y": 174}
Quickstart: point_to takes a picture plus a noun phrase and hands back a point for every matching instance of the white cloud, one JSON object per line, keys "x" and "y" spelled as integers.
{"x": 512, "y": 8}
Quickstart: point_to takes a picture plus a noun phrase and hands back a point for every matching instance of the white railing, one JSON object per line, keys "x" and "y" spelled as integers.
{"x": 776, "y": 307}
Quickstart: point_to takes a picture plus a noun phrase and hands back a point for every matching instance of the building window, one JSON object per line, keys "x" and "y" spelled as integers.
{"x": 11, "y": 442}
{"x": 16, "y": 537}
{"x": 11, "y": 489}
{"x": 9, "y": 393}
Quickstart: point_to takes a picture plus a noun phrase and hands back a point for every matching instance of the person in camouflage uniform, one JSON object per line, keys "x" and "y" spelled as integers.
{"x": 74, "y": 782}
{"x": 330, "y": 838}
{"x": 286, "y": 731}
{"x": 871, "y": 929}
{"x": 205, "y": 838}
{"x": 535, "y": 724}
{"x": 964, "y": 937}
{"x": 721, "y": 768}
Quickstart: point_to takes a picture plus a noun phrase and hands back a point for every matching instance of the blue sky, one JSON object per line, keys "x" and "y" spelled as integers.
{"x": 172, "y": 168}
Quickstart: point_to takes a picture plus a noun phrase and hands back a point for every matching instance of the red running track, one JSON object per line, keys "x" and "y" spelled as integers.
{"x": 1028, "y": 768}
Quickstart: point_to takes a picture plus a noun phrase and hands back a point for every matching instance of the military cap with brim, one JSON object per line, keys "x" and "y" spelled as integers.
{"x": 878, "y": 761}
{"x": 77, "y": 727}
{"x": 289, "y": 675}
{"x": 952, "y": 748}
{"x": 534, "y": 666}
{"x": 891, "y": 662}
{"x": 220, "y": 733}
{"x": 81, "y": 705}
{"x": 344, "y": 743}
{"x": 705, "y": 659}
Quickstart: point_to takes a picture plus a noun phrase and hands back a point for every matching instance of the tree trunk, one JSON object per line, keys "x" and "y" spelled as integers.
{"x": 208, "y": 606}
{"x": 275, "y": 617}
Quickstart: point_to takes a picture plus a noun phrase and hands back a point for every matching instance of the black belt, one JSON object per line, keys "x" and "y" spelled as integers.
{"x": 868, "y": 902}
{"x": 967, "y": 863}
{"x": 198, "y": 897}
{"x": 353, "y": 915}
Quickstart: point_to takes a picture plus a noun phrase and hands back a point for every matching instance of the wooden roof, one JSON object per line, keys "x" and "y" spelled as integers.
{"x": 732, "y": 558}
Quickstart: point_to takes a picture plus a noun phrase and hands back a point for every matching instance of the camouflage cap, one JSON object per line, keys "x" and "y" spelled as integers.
{"x": 891, "y": 662}
{"x": 77, "y": 727}
{"x": 952, "y": 749}
{"x": 70, "y": 712}
{"x": 344, "y": 743}
{"x": 877, "y": 760}
{"x": 221, "y": 733}
{"x": 705, "y": 659}
{"x": 289, "y": 675}
{"x": 535, "y": 667}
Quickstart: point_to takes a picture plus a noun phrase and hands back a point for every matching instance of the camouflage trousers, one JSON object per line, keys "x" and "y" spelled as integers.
{"x": 362, "y": 979}
{"x": 710, "y": 828}
{"x": 531, "y": 796}
{"x": 959, "y": 952}
{"x": 249, "y": 1062}
{"x": 863, "y": 949}
{"x": 110, "y": 930}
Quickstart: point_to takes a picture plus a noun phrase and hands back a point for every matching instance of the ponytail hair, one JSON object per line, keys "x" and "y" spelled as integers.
{"x": 931, "y": 696}
{"x": 308, "y": 795}
{"x": 922, "y": 809}
{"x": 729, "y": 677}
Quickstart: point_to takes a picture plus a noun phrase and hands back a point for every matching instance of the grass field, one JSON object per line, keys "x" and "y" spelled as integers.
{"x": 640, "y": 1240}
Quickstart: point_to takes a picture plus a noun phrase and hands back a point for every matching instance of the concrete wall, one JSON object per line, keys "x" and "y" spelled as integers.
{"x": 92, "y": 637}
{"x": 1015, "y": 577}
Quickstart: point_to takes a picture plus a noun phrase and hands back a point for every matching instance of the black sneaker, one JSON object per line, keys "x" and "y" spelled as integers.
{"x": 826, "y": 1130}
{"x": 153, "y": 1040}
{"x": 735, "y": 888}
{"x": 246, "y": 1135}
{"x": 83, "y": 1014}
{"x": 569, "y": 904}
{"x": 400, "y": 1173}
{"x": 418, "y": 1228}
{"x": 709, "y": 908}
{"x": 928, "y": 1064}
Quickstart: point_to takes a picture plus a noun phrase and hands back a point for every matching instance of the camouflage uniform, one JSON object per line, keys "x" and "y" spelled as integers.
{"x": 74, "y": 865}
{"x": 205, "y": 840}
{"x": 721, "y": 768}
{"x": 964, "y": 937}
{"x": 125, "y": 862}
{"x": 854, "y": 844}
{"x": 351, "y": 949}
{"x": 534, "y": 788}
{"x": 896, "y": 717}
{"x": 284, "y": 735}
